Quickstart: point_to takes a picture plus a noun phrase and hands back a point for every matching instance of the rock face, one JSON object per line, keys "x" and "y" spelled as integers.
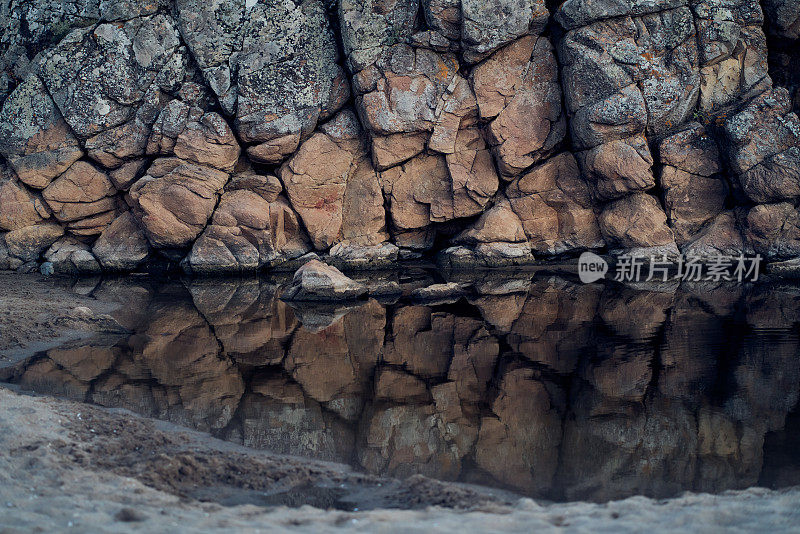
{"x": 235, "y": 136}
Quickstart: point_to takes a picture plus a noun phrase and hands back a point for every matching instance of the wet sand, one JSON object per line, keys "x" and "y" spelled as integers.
{"x": 37, "y": 313}
{"x": 67, "y": 466}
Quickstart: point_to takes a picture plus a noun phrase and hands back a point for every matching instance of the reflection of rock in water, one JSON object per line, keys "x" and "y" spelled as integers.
{"x": 554, "y": 389}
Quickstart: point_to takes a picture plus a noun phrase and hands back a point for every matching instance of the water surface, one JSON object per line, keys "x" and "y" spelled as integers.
{"x": 537, "y": 384}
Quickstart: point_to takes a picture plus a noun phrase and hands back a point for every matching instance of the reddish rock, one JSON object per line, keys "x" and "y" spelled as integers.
{"x": 81, "y": 192}
{"x": 175, "y": 200}
{"x": 333, "y": 186}
{"x": 618, "y": 167}
{"x": 555, "y": 208}
{"x": 274, "y": 150}
{"x": 637, "y": 222}
{"x": 208, "y": 141}
{"x": 518, "y": 88}
{"x": 390, "y": 150}
{"x": 18, "y": 207}
{"x": 247, "y": 233}
{"x": 721, "y": 236}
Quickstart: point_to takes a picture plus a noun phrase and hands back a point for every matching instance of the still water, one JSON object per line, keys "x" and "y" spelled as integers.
{"x": 537, "y": 384}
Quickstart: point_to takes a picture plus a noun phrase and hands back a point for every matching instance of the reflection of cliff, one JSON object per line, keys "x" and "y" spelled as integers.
{"x": 558, "y": 391}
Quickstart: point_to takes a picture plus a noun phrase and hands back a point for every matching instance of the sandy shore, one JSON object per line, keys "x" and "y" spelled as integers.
{"x": 66, "y": 466}
{"x": 37, "y": 313}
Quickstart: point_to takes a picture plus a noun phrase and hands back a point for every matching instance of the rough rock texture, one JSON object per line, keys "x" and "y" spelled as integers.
{"x": 248, "y": 232}
{"x": 694, "y": 191}
{"x": 334, "y": 188}
{"x": 70, "y": 256}
{"x": 636, "y": 222}
{"x": 122, "y": 246}
{"x": 240, "y": 135}
{"x": 175, "y": 200}
{"x": 318, "y": 281}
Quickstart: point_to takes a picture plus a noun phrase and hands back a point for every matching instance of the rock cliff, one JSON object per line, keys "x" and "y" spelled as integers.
{"x": 242, "y": 134}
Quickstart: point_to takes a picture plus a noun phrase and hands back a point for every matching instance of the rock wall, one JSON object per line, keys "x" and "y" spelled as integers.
{"x": 240, "y": 135}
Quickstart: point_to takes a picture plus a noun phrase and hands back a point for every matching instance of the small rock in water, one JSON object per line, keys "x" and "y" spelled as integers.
{"x": 46, "y": 269}
{"x": 435, "y": 292}
{"x": 318, "y": 281}
{"x": 82, "y": 312}
{"x": 130, "y": 515}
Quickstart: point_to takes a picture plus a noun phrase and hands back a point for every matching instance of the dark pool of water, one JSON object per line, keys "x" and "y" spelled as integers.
{"x": 555, "y": 390}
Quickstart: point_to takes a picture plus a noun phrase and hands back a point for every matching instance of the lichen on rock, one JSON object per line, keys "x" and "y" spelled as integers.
{"x": 242, "y": 135}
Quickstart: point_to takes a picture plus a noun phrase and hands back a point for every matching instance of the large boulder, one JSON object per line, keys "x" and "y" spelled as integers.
{"x": 70, "y": 256}
{"x": 720, "y": 237}
{"x": 83, "y": 197}
{"x": 694, "y": 190}
{"x": 246, "y": 233}
{"x": 99, "y": 77}
{"x": 122, "y": 246}
{"x": 400, "y": 91}
{"x": 733, "y": 53}
{"x": 175, "y": 199}
{"x": 518, "y": 89}
{"x": 488, "y": 25}
{"x": 34, "y": 137}
{"x": 638, "y": 225}
{"x": 624, "y": 78}
{"x": 554, "y": 205}
{"x": 368, "y": 26}
{"x": 277, "y": 93}
{"x": 18, "y": 206}
{"x": 28, "y": 243}
{"x": 773, "y": 230}
{"x": 764, "y": 148}
{"x": 334, "y": 188}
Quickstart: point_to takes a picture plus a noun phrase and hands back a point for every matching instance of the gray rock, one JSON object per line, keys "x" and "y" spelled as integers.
{"x": 46, "y": 269}
{"x": 364, "y": 257}
{"x": 316, "y": 281}
{"x": 449, "y": 292}
{"x": 70, "y": 256}
{"x": 784, "y": 17}
{"x": 368, "y": 26}
{"x": 4, "y": 259}
{"x": 277, "y": 90}
{"x": 785, "y": 269}
{"x": 122, "y": 246}
{"x": 100, "y": 76}
{"x": 490, "y": 24}
{"x": 576, "y": 13}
